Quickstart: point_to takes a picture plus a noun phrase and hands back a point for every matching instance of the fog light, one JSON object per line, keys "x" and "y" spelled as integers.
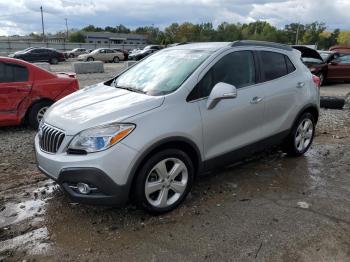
{"x": 83, "y": 188}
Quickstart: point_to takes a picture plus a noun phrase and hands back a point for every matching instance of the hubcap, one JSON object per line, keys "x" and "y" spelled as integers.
{"x": 304, "y": 135}
{"x": 166, "y": 182}
{"x": 41, "y": 113}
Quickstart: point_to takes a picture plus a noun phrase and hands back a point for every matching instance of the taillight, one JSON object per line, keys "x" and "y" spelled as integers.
{"x": 316, "y": 80}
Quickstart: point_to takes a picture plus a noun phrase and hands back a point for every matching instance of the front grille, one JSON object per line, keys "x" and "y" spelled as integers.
{"x": 50, "y": 138}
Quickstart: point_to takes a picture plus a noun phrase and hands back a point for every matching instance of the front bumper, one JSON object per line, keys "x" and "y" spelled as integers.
{"x": 108, "y": 171}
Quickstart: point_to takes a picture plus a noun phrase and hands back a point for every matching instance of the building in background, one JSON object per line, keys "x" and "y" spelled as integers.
{"x": 114, "y": 38}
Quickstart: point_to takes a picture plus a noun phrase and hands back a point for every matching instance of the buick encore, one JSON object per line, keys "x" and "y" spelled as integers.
{"x": 148, "y": 132}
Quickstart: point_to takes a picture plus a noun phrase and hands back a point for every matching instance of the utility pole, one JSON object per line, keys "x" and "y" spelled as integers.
{"x": 66, "y": 27}
{"x": 297, "y": 36}
{"x": 42, "y": 22}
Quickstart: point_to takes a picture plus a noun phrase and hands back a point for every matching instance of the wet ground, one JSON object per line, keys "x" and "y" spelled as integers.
{"x": 268, "y": 208}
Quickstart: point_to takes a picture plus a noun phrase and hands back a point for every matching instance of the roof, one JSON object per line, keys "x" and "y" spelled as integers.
{"x": 261, "y": 43}
{"x": 212, "y": 46}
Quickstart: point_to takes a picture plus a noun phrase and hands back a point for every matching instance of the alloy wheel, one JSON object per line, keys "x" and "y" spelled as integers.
{"x": 41, "y": 113}
{"x": 304, "y": 134}
{"x": 166, "y": 182}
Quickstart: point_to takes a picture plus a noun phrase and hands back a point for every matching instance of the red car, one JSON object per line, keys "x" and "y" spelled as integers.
{"x": 27, "y": 91}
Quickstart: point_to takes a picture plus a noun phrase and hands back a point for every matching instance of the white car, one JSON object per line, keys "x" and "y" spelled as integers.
{"x": 147, "y": 133}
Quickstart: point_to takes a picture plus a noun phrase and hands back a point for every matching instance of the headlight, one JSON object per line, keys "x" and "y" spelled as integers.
{"x": 100, "y": 138}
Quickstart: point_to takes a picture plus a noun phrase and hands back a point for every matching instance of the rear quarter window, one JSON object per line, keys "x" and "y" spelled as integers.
{"x": 275, "y": 65}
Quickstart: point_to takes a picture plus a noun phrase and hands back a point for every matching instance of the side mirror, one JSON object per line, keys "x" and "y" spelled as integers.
{"x": 221, "y": 91}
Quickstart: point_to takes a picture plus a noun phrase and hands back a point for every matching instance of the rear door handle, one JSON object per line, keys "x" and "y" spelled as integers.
{"x": 300, "y": 84}
{"x": 256, "y": 100}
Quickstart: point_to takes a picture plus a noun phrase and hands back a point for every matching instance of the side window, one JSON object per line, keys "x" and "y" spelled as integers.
{"x": 274, "y": 65}
{"x": 290, "y": 66}
{"x": 344, "y": 59}
{"x": 13, "y": 73}
{"x": 236, "y": 68}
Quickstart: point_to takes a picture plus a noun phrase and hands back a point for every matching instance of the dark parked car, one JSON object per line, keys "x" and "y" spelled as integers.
{"x": 343, "y": 49}
{"x": 338, "y": 67}
{"x": 150, "y": 49}
{"x": 313, "y": 60}
{"x": 40, "y": 55}
{"x": 125, "y": 52}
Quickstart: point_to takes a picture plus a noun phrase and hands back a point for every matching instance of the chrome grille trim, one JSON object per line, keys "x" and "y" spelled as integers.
{"x": 50, "y": 138}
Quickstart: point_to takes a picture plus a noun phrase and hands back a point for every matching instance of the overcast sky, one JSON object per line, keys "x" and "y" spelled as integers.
{"x": 23, "y": 16}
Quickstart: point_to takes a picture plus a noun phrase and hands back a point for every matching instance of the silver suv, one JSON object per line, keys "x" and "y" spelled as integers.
{"x": 146, "y": 134}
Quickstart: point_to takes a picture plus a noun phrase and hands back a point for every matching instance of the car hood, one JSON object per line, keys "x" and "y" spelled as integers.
{"x": 308, "y": 52}
{"x": 97, "y": 105}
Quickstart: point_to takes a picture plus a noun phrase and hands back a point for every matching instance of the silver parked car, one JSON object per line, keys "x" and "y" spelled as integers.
{"x": 146, "y": 134}
{"x": 75, "y": 52}
{"x": 102, "y": 54}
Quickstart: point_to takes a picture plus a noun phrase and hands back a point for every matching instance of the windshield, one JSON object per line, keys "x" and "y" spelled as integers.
{"x": 163, "y": 72}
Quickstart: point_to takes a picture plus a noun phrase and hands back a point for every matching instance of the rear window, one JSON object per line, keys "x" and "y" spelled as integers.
{"x": 275, "y": 65}
{"x": 13, "y": 73}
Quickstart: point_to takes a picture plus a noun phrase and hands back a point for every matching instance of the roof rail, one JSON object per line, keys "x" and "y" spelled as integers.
{"x": 261, "y": 43}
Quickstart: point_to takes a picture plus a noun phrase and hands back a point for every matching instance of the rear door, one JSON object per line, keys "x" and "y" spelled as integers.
{"x": 15, "y": 86}
{"x": 281, "y": 83}
{"x": 232, "y": 123}
{"x": 339, "y": 67}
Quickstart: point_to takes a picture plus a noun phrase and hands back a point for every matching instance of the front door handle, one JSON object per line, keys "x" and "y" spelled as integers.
{"x": 300, "y": 84}
{"x": 256, "y": 100}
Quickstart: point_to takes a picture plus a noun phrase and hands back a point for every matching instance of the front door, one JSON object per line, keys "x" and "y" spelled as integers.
{"x": 14, "y": 87}
{"x": 339, "y": 67}
{"x": 232, "y": 123}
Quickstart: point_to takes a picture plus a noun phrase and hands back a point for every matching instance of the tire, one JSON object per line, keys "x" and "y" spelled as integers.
{"x": 116, "y": 59}
{"x": 322, "y": 78}
{"x": 54, "y": 61}
{"x": 301, "y": 136}
{"x": 71, "y": 56}
{"x": 332, "y": 102}
{"x": 36, "y": 112}
{"x": 148, "y": 196}
{"x": 90, "y": 59}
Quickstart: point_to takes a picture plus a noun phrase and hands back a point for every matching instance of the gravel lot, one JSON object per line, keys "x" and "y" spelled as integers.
{"x": 267, "y": 208}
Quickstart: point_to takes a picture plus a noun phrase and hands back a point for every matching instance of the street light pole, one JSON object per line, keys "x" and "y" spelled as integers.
{"x": 67, "y": 27}
{"x": 297, "y": 36}
{"x": 42, "y": 22}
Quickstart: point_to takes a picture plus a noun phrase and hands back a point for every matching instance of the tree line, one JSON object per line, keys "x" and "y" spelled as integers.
{"x": 295, "y": 33}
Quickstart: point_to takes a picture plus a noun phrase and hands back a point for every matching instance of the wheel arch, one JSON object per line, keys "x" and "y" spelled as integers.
{"x": 310, "y": 108}
{"x": 44, "y": 99}
{"x": 181, "y": 143}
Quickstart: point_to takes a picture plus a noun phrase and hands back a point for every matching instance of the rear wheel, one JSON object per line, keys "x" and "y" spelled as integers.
{"x": 164, "y": 181}
{"x": 116, "y": 59}
{"x": 90, "y": 59}
{"x": 54, "y": 61}
{"x": 71, "y": 56}
{"x": 36, "y": 113}
{"x": 302, "y": 135}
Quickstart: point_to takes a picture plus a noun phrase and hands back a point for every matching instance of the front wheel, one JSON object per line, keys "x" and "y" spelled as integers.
{"x": 302, "y": 135}
{"x": 164, "y": 181}
{"x": 90, "y": 59}
{"x": 36, "y": 113}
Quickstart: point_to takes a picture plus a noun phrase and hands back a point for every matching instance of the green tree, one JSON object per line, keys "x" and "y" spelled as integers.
{"x": 344, "y": 38}
{"x": 313, "y": 32}
{"x": 76, "y": 37}
{"x": 92, "y": 28}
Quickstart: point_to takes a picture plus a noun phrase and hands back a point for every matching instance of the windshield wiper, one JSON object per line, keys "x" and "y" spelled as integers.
{"x": 132, "y": 89}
